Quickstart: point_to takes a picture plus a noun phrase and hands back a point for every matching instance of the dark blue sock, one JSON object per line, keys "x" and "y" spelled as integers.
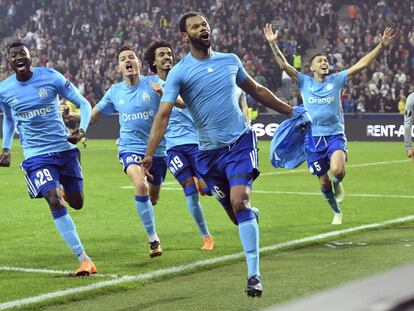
{"x": 337, "y": 180}
{"x": 330, "y": 198}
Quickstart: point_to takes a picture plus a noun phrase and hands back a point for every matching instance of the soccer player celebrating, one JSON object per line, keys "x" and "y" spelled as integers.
{"x": 29, "y": 97}
{"x": 227, "y": 160}
{"x": 408, "y": 124}
{"x": 321, "y": 97}
{"x": 182, "y": 141}
{"x": 137, "y": 104}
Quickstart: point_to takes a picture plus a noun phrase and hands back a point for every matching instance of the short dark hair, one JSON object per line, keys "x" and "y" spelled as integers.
{"x": 150, "y": 54}
{"x": 125, "y": 47}
{"x": 183, "y": 20}
{"x": 16, "y": 44}
{"x": 316, "y": 55}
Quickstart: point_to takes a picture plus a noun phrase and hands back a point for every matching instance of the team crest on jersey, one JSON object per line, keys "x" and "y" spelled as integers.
{"x": 210, "y": 69}
{"x": 121, "y": 102}
{"x": 42, "y": 92}
{"x": 329, "y": 86}
{"x": 146, "y": 97}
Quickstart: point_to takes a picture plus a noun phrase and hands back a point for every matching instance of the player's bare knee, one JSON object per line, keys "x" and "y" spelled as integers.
{"x": 338, "y": 171}
{"x": 141, "y": 188}
{"x": 55, "y": 202}
{"x": 240, "y": 204}
{"x": 154, "y": 200}
{"x": 325, "y": 184}
{"x": 76, "y": 203}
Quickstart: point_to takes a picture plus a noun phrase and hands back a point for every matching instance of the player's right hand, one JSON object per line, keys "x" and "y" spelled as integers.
{"x": 146, "y": 164}
{"x": 270, "y": 36}
{"x": 75, "y": 136}
{"x": 5, "y": 157}
{"x": 410, "y": 154}
{"x": 157, "y": 88}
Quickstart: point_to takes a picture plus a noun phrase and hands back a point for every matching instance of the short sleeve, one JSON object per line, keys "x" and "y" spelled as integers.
{"x": 301, "y": 78}
{"x": 241, "y": 72}
{"x": 106, "y": 105}
{"x": 341, "y": 78}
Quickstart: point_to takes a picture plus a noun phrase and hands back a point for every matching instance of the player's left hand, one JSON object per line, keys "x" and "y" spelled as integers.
{"x": 157, "y": 88}
{"x": 146, "y": 164}
{"x": 75, "y": 136}
{"x": 388, "y": 36}
{"x": 5, "y": 157}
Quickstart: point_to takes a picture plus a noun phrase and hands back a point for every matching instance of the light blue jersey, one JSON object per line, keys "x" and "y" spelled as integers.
{"x": 323, "y": 102}
{"x": 208, "y": 88}
{"x": 137, "y": 107}
{"x": 181, "y": 129}
{"x": 34, "y": 106}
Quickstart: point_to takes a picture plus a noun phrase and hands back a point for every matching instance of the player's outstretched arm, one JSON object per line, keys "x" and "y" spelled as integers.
{"x": 265, "y": 96}
{"x": 280, "y": 58}
{"x": 77, "y": 134}
{"x": 157, "y": 133}
{"x": 75, "y": 116}
{"x": 8, "y": 133}
{"x": 387, "y": 37}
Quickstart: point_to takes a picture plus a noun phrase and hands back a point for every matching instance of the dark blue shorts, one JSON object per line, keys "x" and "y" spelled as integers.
{"x": 320, "y": 160}
{"x": 48, "y": 171}
{"x": 158, "y": 168}
{"x": 236, "y": 164}
{"x": 181, "y": 161}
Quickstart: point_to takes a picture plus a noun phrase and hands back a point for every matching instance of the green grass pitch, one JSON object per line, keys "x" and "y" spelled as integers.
{"x": 377, "y": 186}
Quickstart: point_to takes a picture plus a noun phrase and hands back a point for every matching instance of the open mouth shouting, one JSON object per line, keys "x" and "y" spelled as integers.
{"x": 21, "y": 65}
{"x": 205, "y": 36}
{"x": 129, "y": 68}
{"x": 324, "y": 67}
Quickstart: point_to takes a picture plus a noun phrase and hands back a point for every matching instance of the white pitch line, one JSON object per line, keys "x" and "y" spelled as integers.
{"x": 369, "y": 195}
{"x": 47, "y": 271}
{"x": 50, "y": 271}
{"x": 194, "y": 265}
{"x": 283, "y": 172}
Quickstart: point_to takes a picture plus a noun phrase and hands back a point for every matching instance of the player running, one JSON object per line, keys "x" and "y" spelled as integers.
{"x": 51, "y": 160}
{"x": 137, "y": 104}
{"x": 321, "y": 97}
{"x": 227, "y": 161}
{"x": 182, "y": 142}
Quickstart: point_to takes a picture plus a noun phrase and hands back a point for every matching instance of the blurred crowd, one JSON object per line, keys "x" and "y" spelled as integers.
{"x": 80, "y": 39}
{"x": 383, "y": 87}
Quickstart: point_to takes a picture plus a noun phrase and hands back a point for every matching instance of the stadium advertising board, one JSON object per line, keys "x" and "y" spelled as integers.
{"x": 370, "y": 128}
